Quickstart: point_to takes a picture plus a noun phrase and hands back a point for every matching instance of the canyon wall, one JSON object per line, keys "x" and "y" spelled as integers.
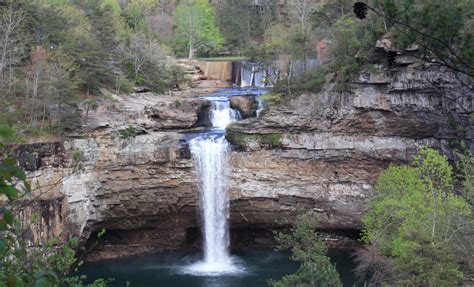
{"x": 131, "y": 173}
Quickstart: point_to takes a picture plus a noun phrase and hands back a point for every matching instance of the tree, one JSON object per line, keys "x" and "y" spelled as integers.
{"x": 442, "y": 29}
{"x": 137, "y": 12}
{"x": 417, "y": 219}
{"x": 301, "y": 11}
{"x": 196, "y": 29}
{"x": 11, "y": 42}
{"x": 316, "y": 268}
{"x": 35, "y": 78}
{"x": 62, "y": 86}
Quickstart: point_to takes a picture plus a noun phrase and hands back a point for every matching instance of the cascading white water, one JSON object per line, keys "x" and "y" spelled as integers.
{"x": 261, "y": 106}
{"x": 253, "y": 75}
{"x": 246, "y": 74}
{"x": 210, "y": 154}
{"x": 222, "y": 115}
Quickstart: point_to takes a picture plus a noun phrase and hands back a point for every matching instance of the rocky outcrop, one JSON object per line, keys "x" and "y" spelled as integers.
{"x": 177, "y": 113}
{"x": 246, "y": 105}
{"x": 323, "y": 152}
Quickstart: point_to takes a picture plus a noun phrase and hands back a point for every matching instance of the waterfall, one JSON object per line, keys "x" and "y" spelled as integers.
{"x": 222, "y": 114}
{"x": 251, "y": 75}
{"x": 211, "y": 155}
{"x": 246, "y": 74}
{"x": 260, "y": 106}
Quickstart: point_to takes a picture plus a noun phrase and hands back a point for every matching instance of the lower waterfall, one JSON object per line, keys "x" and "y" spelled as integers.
{"x": 211, "y": 154}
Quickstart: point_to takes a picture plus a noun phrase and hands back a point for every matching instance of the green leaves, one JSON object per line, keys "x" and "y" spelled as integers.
{"x": 414, "y": 214}
{"x": 316, "y": 268}
{"x": 196, "y": 28}
{"x": 6, "y": 131}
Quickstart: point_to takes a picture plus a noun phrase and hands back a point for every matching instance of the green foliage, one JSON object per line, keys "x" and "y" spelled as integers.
{"x": 242, "y": 139}
{"x": 241, "y": 31}
{"x": 306, "y": 247}
{"x": 465, "y": 167}
{"x": 417, "y": 219}
{"x": 135, "y": 13}
{"x": 264, "y": 53}
{"x": 443, "y": 29}
{"x": 67, "y": 50}
{"x": 129, "y": 132}
{"x": 273, "y": 98}
{"x": 312, "y": 81}
{"x": 196, "y": 29}
{"x": 349, "y": 43}
{"x": 76, "y": 155}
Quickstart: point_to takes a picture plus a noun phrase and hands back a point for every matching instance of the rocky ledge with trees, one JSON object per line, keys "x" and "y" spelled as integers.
{"x": 96, "y": 86}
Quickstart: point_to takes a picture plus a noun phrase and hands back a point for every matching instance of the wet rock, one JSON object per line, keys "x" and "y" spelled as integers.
{"x": 246, "y": 105}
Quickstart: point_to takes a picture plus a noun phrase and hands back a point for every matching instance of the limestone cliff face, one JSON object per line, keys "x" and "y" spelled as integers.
{"x": 323, "y": 152}
{"x": 132, "y": 173}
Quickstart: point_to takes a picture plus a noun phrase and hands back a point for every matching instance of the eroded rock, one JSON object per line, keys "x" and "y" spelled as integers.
{"x": 177, "y": 113}
{"x": 246, "y": 105}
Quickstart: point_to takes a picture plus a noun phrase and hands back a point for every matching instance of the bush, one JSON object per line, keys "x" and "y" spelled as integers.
{"x": 306, "y": 247}
{"x": 129, "y": 132}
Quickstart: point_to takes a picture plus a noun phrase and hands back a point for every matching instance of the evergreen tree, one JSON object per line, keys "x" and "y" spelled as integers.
{"x": 316, "y": 268}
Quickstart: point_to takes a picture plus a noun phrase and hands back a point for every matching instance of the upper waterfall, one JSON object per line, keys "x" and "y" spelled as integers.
{"x": 258, "y": 75}
{"x": 222, "y": 114}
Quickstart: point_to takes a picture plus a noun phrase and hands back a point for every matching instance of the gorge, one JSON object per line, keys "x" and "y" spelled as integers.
{"x": 318, "y": 152}
{"x": 251, "y": 143}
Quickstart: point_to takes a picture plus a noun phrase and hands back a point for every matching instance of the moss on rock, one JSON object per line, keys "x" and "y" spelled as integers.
{"x": 242, "y": 139}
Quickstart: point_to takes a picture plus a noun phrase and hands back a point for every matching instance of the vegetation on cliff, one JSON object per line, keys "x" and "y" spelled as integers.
{"x": 417, "y": 225}
{"x": 439, "y": 31}
{"x": 243, "y": 140}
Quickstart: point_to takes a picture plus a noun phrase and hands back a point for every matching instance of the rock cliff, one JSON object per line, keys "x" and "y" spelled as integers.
{"x": 131, "y": 173}
{"x": 324, "y": 151}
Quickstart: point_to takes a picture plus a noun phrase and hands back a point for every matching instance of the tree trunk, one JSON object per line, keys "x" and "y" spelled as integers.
{"x": 191, "y": 50}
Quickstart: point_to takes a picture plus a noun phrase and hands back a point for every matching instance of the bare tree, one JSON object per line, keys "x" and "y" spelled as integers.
{"x": 161, "y": 25}
{"x": 35, "y": 73}
{"x": 301, "y": 10}
{"x": 11, "y": 21}
{"x": 142, "y": 50}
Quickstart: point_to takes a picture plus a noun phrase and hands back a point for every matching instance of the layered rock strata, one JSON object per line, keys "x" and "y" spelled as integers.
{"x": 132, "y": 173}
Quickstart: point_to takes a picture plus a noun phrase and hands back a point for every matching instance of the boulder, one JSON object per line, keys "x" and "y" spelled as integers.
{"x": 246, "y": 105}
{"x": 177, "y": 113}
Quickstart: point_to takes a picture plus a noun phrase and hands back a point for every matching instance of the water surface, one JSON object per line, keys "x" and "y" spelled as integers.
{"x": 169, "y": 269}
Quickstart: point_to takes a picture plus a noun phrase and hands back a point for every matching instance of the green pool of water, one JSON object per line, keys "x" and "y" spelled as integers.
{"x": 169, "y": 269}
